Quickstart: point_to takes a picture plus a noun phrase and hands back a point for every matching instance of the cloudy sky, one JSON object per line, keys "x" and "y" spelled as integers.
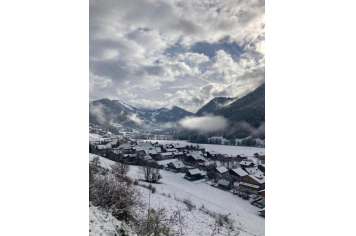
{"x": 164, "y": 53}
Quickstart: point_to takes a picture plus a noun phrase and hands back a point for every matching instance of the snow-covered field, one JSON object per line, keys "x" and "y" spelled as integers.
{"x": 200, "y": 193}
{"x": 214, "y": 199}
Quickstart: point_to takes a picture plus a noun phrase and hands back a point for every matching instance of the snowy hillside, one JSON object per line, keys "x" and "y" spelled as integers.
{"x": 103, "y": 223}
{"x": 174, "y": 188}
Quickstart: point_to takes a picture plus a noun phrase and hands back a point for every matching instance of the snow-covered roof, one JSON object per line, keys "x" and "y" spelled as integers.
{"x": 221, "y": 169}
{"x": 258, "y": 178}
{"x": 100, "y": 147}
{"x": 152, "y": 152}
{"x": 194, "y": 171}
{"x": 177, "y": 164}
{"x": 165, "y": 162}
{"x": 197, "y": 155}
{"x": 254, "y": 171}
{"x": 177, "y": 153}
{"x": 245, "y": 163}
{"x": 240, "y": 172}
{"x": 223, "y": 182}
{"x": 125, "y": 146}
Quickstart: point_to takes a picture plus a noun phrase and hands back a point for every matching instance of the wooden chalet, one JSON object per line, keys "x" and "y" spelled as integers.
{"x": 194, "y": 174}
{"x": 176, "y": 166}
{"x": 223, "y": 184}
{"x": 237, "y": 174}
{"x": 221, "y": 171}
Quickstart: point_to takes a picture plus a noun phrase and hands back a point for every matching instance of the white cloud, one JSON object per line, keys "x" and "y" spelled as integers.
{"x": 129, "y": 42}
{"x": 204, "y": 123}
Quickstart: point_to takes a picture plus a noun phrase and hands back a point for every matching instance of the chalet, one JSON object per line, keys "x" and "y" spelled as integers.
{"x": 246, "y": 164}
{"x": 221, "y": 171}
{"x": 199, "y": 149}
{"x": 171, "y": 150}
{"x": 164, "y": 163}
{"x": 253, "y": 171}
{"x": 250, "y": 186}
{"x": 262, "y": 159}
{"x": 212, "y": 154}
{"x": 179, "y": 147}
{"x": 178, "y": 155}
{"x": 262, "y": 212}
{"x": 201, "y": 166}
{"x": 166, "y": 155}
{"x": 146, "y": 159}
{"x": 258, "y": 180}
{"x": 193, "y": 157}
{"x": 223, "y": 184}
{"x": 125, "y": 146}
{"x": 258, "y": 154}
{"x": 176, "y": 166}
{"x": 263, "y": 196}
{"x": 237, "y": 174}
{"x": 261, "y": 167}
{"x": 194, "y": 174}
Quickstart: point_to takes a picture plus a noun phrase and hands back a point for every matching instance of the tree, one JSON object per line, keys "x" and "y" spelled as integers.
{"x": 150, "y": 174}
{"x": 90, "y": 149}
{"x": 120, "y": 168}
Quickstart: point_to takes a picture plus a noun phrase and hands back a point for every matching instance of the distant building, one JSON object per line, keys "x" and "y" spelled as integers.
{"x": 223, "y": 184}
{"x": 194, "y": 174}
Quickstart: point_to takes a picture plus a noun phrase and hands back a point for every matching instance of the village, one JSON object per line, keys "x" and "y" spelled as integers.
{"x": 241, "y": 175}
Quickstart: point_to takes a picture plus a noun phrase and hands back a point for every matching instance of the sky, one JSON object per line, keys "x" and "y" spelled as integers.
{"x": 164, "y": 53}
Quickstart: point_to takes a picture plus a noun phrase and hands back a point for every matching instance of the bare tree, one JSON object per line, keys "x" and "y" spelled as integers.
{"x": 120, "y": 168}
{"x": 150, "y": 174}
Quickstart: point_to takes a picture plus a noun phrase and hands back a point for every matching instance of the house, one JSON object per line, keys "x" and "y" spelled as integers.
{"x": 262, "y": 212}
{"x": 199, "y": 149}
{"x": 125, "y": 146}
{"x": 255, "y": 179}
{"x": 193, "y": 157}
{"x": 146, "y": 159}
{"x": 261, "y": 167}
{"x": 194, "y": 174}
{"x": 166, "y": 155}
{"x": 178, "y": 155}
{"x": 246, "y": 164}
{"x": 263, "y": 196}
{"x": 171, "y": 150}
{"x": 260, "y": 156}
{"x": 249, "y": 186}
{"x": 212, "y": 154}
{"x": 221, "y": 171}
{"x": 176, "y": 166}
{"x": 237, "y": 174}
{"x": 179, "y": 147}
{"x": 262, "y": 159}
{"x": 223, "y": 184}
{"x": 164, "y": 163}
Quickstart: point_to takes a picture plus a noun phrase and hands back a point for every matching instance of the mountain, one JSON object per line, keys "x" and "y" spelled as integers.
{"x": 215, "y": 104}
{"x": 163, "y": 115}
{"x": 106, "y": 110}
{"x": 250, "y": 108}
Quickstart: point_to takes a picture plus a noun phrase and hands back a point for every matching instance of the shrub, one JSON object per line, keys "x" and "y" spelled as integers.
{"x": 189, "y": 204}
